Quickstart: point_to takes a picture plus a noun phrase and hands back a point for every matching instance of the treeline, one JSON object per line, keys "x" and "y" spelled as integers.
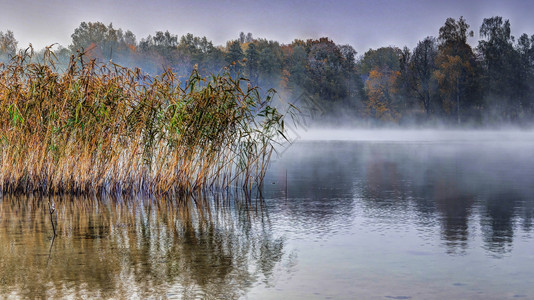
{"x": 442, "y": 79}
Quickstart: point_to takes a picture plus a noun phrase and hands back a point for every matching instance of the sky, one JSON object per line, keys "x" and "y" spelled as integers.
{"x": 361, "y": 24}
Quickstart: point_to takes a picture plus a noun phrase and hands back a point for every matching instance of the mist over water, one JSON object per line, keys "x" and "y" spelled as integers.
{"x": 417, "y": 135}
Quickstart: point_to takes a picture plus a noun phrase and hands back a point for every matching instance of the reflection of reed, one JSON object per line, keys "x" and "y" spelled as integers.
{"x": 133, "y": 248}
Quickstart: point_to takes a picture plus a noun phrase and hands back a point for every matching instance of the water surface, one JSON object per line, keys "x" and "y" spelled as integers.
{"x": 445, "y": 216}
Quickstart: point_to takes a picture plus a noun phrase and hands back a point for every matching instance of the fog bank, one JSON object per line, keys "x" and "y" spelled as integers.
{"x": 417, "y": 135}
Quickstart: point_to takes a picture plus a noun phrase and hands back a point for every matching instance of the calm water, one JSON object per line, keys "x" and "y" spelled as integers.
{"x": 417, "y": 217}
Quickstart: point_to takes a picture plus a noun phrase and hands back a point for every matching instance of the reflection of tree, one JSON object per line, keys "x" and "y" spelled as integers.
{"x": 384, "y": 182}
{"x": 497, "y": 221}
{"x": 136, "y": 248}
{"x": 393, "y": 182}
{"x": 442, "y": 185}
{"x": 385, "y": 190}
{"x": 527, "y": 216}
{"x": 455, "y": 206}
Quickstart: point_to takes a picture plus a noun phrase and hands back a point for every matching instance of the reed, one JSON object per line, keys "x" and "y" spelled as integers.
{"x": 104, "y": 128}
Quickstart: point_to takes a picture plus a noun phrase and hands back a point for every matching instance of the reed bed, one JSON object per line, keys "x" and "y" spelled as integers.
{"x": 105, "y": 128}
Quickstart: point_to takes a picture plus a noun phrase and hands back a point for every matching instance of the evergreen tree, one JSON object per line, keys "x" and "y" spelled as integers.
{"x": 234, "y": 56}
{"x": 252, "y": 64}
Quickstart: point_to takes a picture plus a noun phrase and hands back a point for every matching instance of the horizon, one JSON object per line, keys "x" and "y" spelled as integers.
{"x": 346, "y": 22}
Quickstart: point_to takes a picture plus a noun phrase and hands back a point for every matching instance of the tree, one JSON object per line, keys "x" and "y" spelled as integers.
{"x": 325, "y": 73}
{"x": 456, "y": 67}
{"x": 96, "y": 39}
{"x": 253, "y": 61}
{"x": 298, "y": 60}
{"x": 193, "y": 51}
{"x": 103, "y": 42}
{"x": 381, "y": 70}
{"x": 422, "y": 67}
{"x": 525, "y": 50}
{"x": 8, "y": 45}
{"x": 234, "y": 55}
{"x": 270, "y": 66}
{"x": 501, "y": 64}
{"x": 162, "y": 51}
{"x": 381, "y": 90}
{"x": 214, "y": 58}
{"x": 165, "y": 40}
{"x": 449, "y": 76}
{"x": 404, "y": 81}
{"x": 249, "y": 38}
{"x": 353, "y": 82}
{"x": 129, "y": 39}
{"x": 385, "y": 58}
{"x": 245, "y": 38}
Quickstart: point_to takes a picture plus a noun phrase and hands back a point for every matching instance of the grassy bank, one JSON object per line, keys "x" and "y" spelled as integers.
{"x": 101, "y": 127}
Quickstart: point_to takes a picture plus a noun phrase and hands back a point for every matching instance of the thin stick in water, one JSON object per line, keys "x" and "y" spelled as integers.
{"x": 52, "y": 209}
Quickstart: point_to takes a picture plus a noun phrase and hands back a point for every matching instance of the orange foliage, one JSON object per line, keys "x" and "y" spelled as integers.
{"x": 284, "y": 79}
{"x": 380, "y": 88}
{"x": 93, "y": 51}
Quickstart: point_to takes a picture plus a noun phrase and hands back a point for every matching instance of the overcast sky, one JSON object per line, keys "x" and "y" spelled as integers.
{"x": 362, "y": 24}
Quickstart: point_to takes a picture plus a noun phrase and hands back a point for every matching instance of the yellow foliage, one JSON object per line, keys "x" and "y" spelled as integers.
{"x": 380, "y": 90}
{"x": 448, "y": 75}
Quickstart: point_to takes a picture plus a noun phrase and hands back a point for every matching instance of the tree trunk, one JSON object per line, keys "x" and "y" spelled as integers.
{"x": 458, "y": 99}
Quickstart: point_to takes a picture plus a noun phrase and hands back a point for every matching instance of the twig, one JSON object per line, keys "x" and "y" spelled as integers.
{"x": 50, "y": 250}
{"x": 52, "y": 209}
{"x": 286, "y": 184}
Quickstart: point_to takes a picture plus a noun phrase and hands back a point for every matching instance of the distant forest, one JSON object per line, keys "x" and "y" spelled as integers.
{"x": 443, "y": 79}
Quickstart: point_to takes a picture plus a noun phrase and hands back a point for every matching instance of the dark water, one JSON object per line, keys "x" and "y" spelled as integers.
{"x": 384, "y": 219}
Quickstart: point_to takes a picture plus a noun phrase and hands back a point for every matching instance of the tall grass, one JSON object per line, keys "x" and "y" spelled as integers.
{"x": 105, "y": 128}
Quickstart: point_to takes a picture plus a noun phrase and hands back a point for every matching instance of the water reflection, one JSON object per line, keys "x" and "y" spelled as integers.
{"x": 134, "y": 248}
{"x": 498, "y": 221}
{"x": 464, "y": 186}
{"x": 368, "y": 219}
{"x": 310, "y": 192}
{"x": 455, "y": 207}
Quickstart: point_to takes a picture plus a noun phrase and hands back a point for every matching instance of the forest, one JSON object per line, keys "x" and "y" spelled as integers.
{"x": 442, "y": 80}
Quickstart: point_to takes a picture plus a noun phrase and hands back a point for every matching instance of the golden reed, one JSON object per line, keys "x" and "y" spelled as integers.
{"x": 105, "y": 128}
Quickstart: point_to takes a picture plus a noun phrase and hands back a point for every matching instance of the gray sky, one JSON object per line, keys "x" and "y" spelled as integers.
{"x": 362, "y": 24}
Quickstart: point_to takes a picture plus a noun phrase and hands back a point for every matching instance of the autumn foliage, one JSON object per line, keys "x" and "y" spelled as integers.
{"x": 381, "y": 89}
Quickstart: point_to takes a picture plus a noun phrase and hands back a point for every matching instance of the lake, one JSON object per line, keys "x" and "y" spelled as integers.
{"x": 343, "y": 215}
